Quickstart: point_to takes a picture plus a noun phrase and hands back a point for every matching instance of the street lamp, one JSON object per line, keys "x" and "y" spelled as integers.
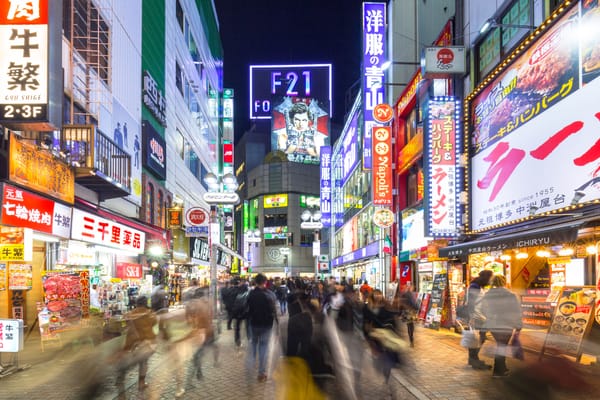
{"x": 221, "y": 192}
{"x": 312, "y": 220}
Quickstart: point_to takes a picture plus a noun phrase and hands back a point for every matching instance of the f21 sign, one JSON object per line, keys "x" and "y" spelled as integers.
{"x": 305, "y": 80}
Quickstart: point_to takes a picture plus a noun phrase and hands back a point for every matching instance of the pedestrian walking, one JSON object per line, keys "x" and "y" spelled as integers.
{"x": 408, "y": 310}
{"x": 261, "y": 316}
{"x": 502, "y": 310}
{"x": 282, "y": 295}
{"x": 475, "y": 294}
{"x": 140, "y": 343}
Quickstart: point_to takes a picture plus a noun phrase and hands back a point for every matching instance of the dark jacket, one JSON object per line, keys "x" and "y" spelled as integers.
{"x": 502, "y": 310}
{"x": 261, "y": 308}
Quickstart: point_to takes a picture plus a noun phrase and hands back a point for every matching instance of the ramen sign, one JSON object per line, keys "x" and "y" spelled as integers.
{"x": 196, "y": 216}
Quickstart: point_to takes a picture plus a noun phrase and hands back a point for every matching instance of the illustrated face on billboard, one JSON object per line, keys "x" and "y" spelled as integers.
{"x": 299, "y": 128}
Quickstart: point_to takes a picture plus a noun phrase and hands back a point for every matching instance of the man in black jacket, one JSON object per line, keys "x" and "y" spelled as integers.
{"x": 261, "y": 315}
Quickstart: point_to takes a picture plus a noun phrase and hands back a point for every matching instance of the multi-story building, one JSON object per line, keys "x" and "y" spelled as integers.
{"x": 112, "y": 124}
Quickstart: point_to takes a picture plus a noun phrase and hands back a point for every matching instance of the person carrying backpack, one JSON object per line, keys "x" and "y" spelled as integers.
{"x": 282, "y": 295}
{"x": 239, "y": 309}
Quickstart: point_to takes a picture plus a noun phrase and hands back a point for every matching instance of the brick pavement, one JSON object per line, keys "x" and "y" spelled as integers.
{"x": 435, "y": 369}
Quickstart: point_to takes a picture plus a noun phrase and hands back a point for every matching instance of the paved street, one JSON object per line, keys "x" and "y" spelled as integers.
{"x": 435, "y": 369}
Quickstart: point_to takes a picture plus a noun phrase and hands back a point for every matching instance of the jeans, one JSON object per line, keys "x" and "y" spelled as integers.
{"x": 502, "y": 338}
{"x": 259, "y": 344}
{"x": 283, "y": 306}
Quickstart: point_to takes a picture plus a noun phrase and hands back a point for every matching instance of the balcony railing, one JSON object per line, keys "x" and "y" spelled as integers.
{"x": 99, "y": 163}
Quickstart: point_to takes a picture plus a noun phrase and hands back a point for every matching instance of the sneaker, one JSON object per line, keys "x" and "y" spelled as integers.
{"x": 480, "y": 365}
{"x": 500, "y": 374}
{"x": 262, "y": 378}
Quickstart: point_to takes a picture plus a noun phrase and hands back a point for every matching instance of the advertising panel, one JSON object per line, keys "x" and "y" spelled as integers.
{"x": 154, "y": 155}
{"x": 41, "y": 171}
{"x": 275, "y": 200}
{"x": 325, "y": 186}
{"x": 91, "y": 228}
{"x": 300, "y": 127}
{"x": 127, "y": 136}
{"x": 413, "y": 229}
{"x": 27, "y": 210}
{"x": 24, "y": 61}
{"x": 382, "y": 166}
{"x": 525, "y": 157}
{"x": 374, "y": 53}
{"x": 443, "y": 144}
{"x": 350, "y": 148}
{"x": 303, "y": 80}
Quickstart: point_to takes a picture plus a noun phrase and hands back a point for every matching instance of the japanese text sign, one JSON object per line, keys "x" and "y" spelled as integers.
{"x": 91, "y": 228}
{"x": 129, "y": 270}
{"x": 27, "y": 210}
{"x": 11, "y": 335}
{"x": 24, "y": 60}
{"x": 441, "y": 163}
{"x": 374, "y": 53}
{"x": 325, "y": 188}
{"x": 382, "y": 165}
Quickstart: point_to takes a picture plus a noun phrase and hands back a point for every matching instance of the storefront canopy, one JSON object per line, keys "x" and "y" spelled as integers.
{"x": 545, "y": 236}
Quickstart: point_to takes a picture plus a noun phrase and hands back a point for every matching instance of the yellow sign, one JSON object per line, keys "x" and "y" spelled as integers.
{"x": 175, "y": 217}
{"x": 12, "y": 252}
{"x": 276, "y": 200}
{"x": 41, "y": 171}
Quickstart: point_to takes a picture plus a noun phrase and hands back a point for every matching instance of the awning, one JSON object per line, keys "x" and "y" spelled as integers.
{"x": 546, "y": 236}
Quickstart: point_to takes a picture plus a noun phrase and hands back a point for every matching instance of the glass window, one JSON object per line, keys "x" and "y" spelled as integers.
{"x": 501, "y": 40}
{"x": 272, "y": 220}
{"x": 180, "y": 144}
{"x": 150, "y": 203}
{"x": 160, "y": 209}
{"x": 179, "y": 15}
{"x": 179, "y": 78}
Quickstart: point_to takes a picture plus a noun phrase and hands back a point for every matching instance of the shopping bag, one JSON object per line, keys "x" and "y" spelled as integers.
{"x": 470, "y": 339}
{"x": 515, "y": 347}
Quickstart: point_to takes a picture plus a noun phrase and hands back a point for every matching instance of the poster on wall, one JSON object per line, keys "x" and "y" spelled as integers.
{"x": 20, "y": 277}
{"x": 572, "y": 320}
{"x": 300, "y": 127}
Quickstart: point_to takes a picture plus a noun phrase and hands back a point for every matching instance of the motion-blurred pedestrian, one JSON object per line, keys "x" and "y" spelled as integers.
{"x": 475, "y": 294}
{"x": 502, "y": 310}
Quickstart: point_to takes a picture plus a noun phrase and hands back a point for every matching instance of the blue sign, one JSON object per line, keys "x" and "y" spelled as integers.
{"x": 326, "y": 186}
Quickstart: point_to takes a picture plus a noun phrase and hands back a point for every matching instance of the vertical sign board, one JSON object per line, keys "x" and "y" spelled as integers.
{"x": 325, "y": 205}
{"x": 442, "y": 148}
{"x": 11, "y": 335}
{"x": 374, "y": 52}
{"x": 382, "y": 166}
{"x": 29, "y": 73}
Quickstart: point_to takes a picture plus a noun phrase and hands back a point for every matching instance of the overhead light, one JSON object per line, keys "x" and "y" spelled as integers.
{"x": 488, "y": 258}
{"x": 566, "y": 252}
{"x": 505, "y": 257}
{"x": 542, "y": 253}
{"x": 492, "y": 23}
{"x": 521, "y": 255}
{"x": 591, "y": 249}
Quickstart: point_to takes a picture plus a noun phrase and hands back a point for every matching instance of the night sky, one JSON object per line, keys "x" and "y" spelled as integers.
{"x": 290, "y": 32}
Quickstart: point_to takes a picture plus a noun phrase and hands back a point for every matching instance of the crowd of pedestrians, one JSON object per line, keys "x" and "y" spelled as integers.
{"x": 324, "y": 330}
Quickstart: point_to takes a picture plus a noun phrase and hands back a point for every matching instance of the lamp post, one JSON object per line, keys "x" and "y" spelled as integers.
{"x": 222, "y": 191}
{"x": 312, "y": 220}
{"x": 252, "y": 236}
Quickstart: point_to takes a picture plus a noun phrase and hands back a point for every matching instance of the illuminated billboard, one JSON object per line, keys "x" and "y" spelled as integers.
{"x": 300, "y": 127}
{"x": 304, "y": 80}
{"x": 526, "y": 160}
{"x": 275, "y": 200}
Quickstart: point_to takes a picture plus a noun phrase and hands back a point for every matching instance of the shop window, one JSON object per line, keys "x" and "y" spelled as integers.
{"x": 411, "y": 125}
{"x": 272, "y": 220}
{"x": 411, "y": 192}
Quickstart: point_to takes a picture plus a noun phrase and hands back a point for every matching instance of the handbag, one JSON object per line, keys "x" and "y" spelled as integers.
{"x": 470, "y": 338}
{"x": 515, "y": 347}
